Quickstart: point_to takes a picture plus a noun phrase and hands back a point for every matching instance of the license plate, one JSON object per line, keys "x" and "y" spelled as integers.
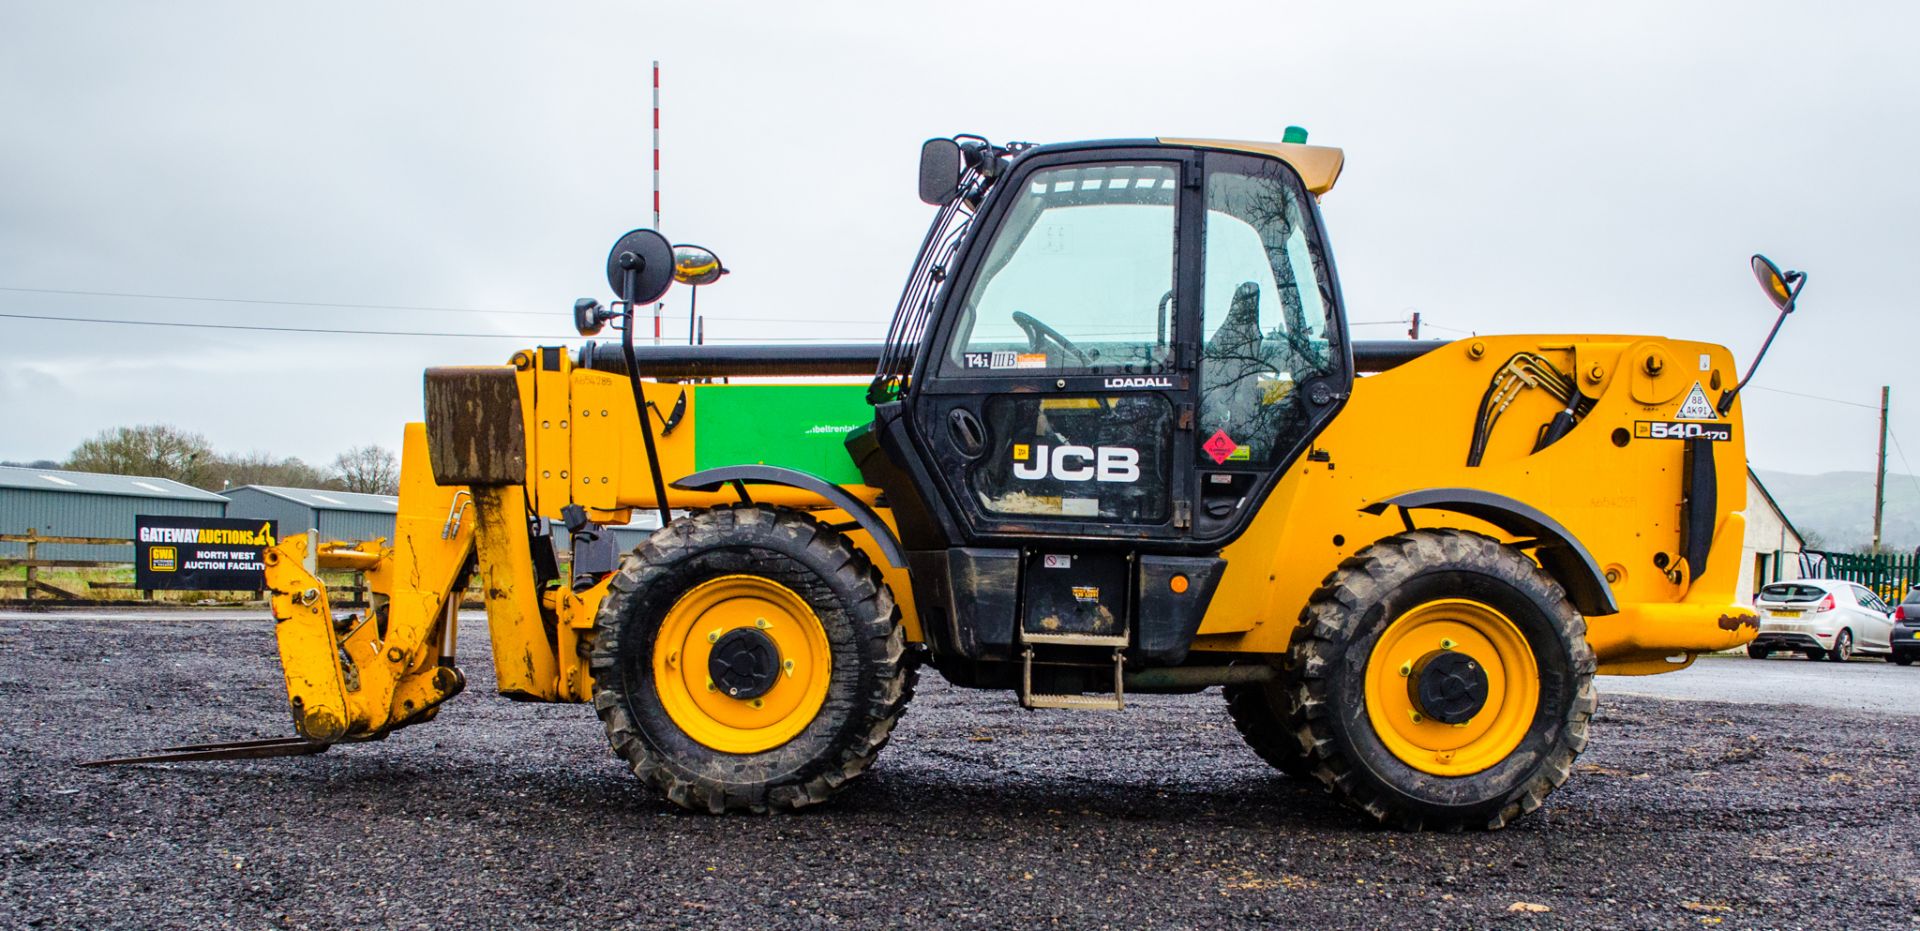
{"x": 1784, "y": 613}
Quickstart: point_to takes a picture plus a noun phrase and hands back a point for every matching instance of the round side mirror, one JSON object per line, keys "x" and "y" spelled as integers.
{"x": 693, "y": 265}
{"x": 649, "y": 258}
{"x": 1774, "y": 282}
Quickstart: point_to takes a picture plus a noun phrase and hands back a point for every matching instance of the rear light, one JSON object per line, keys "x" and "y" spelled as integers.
{"x": 1899, "y": 612}
{"x": 1826, "y": 604}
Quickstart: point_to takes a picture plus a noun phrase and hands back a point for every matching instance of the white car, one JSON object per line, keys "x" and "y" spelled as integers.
{"x": 1821, "y": 617}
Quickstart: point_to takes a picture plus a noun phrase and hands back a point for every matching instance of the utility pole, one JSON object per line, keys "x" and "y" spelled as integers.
{"x": 1880, "y": 477}
{"x": 1413, "y": 332}
{"x": 660, "y": 305}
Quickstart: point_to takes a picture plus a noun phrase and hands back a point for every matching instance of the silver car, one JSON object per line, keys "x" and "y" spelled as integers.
{"x": 1821, "y": 617}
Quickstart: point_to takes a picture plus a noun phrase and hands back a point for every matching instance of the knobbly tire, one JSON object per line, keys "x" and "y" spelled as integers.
{"x": 866, "y": 691}
{"x": 1259, "y": 713}
{"x": 1395, "y": 579}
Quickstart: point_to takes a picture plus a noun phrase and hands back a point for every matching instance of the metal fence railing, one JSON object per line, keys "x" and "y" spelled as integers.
{"x": 1890, "y": 575}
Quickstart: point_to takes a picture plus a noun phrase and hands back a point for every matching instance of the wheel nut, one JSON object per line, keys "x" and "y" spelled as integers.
{"x": 714, "y": 637}
{"x": 1417, "y": 718}
{"x": 757, "y": 703}
{"x": 788, "y": 666}
{"x": 761, "y": 623}
{"x": 711, "y": 687}
{"x": 1447, "y": 644}
{"x": 1406, "y": 669}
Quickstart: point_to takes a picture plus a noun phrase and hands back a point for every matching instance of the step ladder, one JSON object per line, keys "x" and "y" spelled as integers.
{"x": 1115, "y": 702}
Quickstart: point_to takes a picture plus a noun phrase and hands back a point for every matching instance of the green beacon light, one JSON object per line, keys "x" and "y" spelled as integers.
{"x": 1295, "y": 135}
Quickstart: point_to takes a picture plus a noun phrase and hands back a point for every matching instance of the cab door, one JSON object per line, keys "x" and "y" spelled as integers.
{"x": 1057, "y": 398}
{"x": 1275, "y": 365}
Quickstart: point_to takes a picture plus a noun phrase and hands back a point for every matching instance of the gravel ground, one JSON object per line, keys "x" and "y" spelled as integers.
{"x": 1683, "y": 814}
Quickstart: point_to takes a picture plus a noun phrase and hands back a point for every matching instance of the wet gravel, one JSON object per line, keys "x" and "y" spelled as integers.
{"x": 503, "y": 815}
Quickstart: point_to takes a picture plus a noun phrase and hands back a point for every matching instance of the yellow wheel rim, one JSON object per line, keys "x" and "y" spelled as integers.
{"x": 684, "y": 646}
{"x": 1513, "y": 687}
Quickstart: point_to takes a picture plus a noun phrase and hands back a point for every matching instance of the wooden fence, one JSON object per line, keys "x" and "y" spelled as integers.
{"x": 37, "y": 590}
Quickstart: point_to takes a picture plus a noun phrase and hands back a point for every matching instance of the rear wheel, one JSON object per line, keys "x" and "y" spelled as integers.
{"x": 1441, "y": 680}
{"x": 748, "y": 658}
{"x": 1758, "y": 652}
{"x": 1260, "y": 714}
{"x": 1902, "y": 660}
{"x": 1842, "y": 647}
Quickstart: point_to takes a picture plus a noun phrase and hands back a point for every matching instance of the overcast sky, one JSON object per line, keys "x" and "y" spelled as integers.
{"x": 1518, "y": 167}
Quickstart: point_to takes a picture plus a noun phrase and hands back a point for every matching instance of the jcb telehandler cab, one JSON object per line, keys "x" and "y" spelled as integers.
{"x": 1117, "y": 442}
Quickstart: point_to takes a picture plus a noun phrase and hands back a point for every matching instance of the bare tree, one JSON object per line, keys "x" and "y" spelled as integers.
{"x": 259, "y": 468}
{"x": 372, "y": 470}
{"x": 155, "y": 450}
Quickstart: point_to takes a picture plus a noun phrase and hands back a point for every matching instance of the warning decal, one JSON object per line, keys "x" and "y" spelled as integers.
{"x": 1220, "y": 446}
{"x": 1696, "y": 406}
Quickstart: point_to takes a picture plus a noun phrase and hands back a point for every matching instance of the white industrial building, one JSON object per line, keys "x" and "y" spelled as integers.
{"x": 1772, "y": 549}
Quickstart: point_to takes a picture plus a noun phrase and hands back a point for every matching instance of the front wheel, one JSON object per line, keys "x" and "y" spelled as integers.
{"x": 1901, "y": 660}
{"x": 1441, "y": 680}
{"x": 1842, "y": 647}
{"x": 748, "y": 658}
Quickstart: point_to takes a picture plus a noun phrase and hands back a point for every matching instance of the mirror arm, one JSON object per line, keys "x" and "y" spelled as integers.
{"x": 640, "y": 397}
{"x": 1799, "y": 280}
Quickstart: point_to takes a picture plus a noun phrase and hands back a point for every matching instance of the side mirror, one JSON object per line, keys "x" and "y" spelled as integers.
{"x": 1778, "y": 284}
{"x": 693, "y": 265}
{"x": 939, "y": 171}
{"x": 640, "y": 267}
{"x": 1783, "y": 288}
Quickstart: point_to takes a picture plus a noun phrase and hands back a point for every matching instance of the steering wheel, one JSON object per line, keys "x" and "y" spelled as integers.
{"x": 1037, "y": 331}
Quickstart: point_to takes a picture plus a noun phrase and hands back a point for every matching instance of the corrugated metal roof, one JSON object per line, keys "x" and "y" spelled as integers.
{"x": 327, "y": 500}
{"x": 100, "y": 483}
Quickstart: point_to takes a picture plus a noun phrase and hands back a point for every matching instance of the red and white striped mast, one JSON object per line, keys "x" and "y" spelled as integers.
{"x": 656, "y": 184}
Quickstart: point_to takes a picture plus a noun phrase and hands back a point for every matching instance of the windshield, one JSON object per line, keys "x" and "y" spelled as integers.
{"x": 1079, "y": 275}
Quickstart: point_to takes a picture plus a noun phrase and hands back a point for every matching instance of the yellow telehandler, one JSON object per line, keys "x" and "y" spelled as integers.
{"x": 1118, "y": 441}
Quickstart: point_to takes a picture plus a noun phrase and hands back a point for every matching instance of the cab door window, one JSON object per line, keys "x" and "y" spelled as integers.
{"x": 1079, "y": 277}
{"x": 1265, "y": 310}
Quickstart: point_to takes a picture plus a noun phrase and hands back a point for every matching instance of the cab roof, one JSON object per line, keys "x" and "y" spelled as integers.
{"x": 1319, "y": 166}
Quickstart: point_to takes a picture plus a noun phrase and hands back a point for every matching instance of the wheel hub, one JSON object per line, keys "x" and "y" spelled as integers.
{"x": 1448, "y": 687}
{"x": 1451, "y": 686}
{"x": 745, "y": 663}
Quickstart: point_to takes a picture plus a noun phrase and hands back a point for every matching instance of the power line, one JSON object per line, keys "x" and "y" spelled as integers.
{"x": 340, "y": 332}
{"x": 1815, "y": 397}
{"x": 1903, "y": 460}
{"x": 279, "y": 303}
{"x": 334, "y": 304}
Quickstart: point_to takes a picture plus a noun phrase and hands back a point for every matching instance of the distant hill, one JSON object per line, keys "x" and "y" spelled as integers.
{"x": 1837, "y": 507}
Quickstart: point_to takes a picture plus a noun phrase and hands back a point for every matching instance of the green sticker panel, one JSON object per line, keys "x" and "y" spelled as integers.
{"x": 801, "y": 427}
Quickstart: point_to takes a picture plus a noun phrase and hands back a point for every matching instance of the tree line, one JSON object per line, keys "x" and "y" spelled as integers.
{"x": 163, "y": 451}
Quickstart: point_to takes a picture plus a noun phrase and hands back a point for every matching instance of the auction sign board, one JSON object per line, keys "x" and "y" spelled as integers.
{"x": 201, "y": 554}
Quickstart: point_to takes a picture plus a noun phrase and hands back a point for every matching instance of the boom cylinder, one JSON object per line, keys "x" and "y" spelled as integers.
{"x": 788, "y": 361}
